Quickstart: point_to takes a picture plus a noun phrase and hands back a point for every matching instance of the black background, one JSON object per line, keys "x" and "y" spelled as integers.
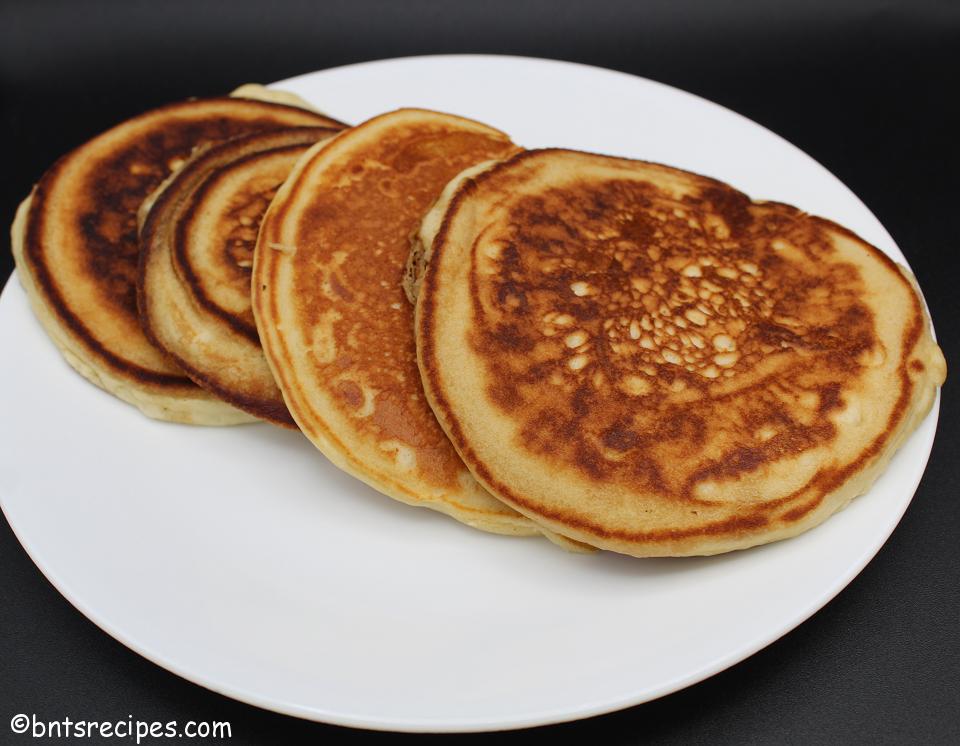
{"x": 870, "y": 89}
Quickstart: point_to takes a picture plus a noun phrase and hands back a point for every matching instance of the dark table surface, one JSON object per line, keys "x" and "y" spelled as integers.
{"x": 867, "y": 88}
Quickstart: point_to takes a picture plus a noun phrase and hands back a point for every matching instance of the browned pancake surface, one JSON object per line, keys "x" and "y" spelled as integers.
{"x": 81, "y": 241}
{"x": 686, "y": 357}
{"x": 375, "y": 217}
{"x": 214, "y": 252}
{"x": 683, "y": 309}
{"x": 333, "y": 317}
{"x": 196, "y": 260}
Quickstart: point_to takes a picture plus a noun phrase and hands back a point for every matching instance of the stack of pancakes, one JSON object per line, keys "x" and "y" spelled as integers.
{"x": 609, "y": 353}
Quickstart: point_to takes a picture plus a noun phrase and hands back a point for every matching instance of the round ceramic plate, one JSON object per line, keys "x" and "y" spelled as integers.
{"x": 242, "y": 560}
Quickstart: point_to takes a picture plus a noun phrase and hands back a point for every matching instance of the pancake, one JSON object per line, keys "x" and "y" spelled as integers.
{"x": 334, "y": 322}
{"x": 75, "y": 245}
{"x": 647, "y": 361}
{"x": 196, "y": 258}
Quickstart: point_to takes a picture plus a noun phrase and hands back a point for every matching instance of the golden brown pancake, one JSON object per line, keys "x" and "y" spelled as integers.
{"x": 333, "y": 319}
{"x": 196, "y": 259}
{"x": 647, "y": 361}
{"x": 76, "y": 249}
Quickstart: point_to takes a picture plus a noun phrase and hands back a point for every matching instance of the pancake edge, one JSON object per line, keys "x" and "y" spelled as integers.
{"x": 259, "y": 92}
{"x": 185, "y": 407}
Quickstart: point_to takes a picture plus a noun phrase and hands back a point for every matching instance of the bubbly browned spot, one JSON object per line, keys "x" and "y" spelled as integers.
{"x": 349, "y": 263}
{"x": 664, "y": 343}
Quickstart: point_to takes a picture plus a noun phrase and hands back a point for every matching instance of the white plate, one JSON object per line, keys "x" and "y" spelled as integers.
{"x": 243, "y": 561}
